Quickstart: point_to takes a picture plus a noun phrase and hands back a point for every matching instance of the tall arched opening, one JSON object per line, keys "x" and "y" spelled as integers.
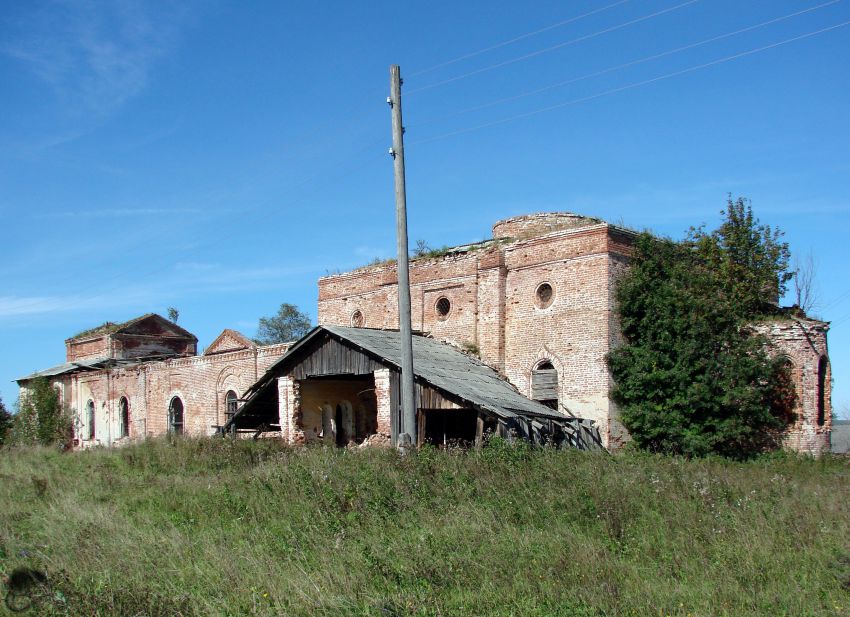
{"x": 175, "y": 416}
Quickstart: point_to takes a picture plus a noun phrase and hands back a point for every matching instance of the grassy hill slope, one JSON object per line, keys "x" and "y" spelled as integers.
{"x": 216, "y": 527}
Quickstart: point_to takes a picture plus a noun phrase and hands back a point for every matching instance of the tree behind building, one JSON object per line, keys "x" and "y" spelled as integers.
{"x": 290, "y": 324}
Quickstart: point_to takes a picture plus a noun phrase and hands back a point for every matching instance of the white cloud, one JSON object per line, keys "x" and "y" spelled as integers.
{"x": 94, "y": 55}
{"x": 185, "y": 279}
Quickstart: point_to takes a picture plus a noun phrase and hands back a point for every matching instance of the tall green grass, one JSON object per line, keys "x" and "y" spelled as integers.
{"x": 222, "y": 527}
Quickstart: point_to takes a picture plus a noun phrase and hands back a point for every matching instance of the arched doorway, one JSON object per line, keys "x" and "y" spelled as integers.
{"x": 175, "y": 416}
{"x": 90, "y": 429}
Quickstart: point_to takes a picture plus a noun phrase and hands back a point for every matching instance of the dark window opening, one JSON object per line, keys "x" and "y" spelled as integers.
{"x": 175, "y": 416}
{"x": 544, "y": 385}
{"x": 544, "y": 295}
{"x": 822, "y": 370}
{"x": 123, "y": 417}
{"x": 230, "y": 404}
{"x": 449, "y": 427}
{"x": 357, "y": 319}
{"x": 443, "y": 307}
{"x": 90, "y": 420}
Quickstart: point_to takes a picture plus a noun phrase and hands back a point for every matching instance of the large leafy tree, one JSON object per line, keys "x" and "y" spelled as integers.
{"x": 290, "y": 324}
{"x": 693, "y": 377}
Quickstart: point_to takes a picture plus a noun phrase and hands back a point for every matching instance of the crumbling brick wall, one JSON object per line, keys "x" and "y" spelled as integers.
{"x": 495, "y": 309}
{"x": 201, "y": 383}
{"x": 491, "y": 290}
{"x": 804, "y": 343}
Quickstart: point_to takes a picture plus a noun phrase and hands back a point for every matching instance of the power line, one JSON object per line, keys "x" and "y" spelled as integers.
{"x": 629, "y": 86}
{"x": 841, "y": 320}
{"x": 836, "y": 300}
{"x": 552, "y": 48}
{"x": 622, "y": 66}
{"x": 516, "y": 39}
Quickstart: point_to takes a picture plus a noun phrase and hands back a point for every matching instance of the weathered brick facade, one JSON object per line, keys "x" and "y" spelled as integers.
{"x": 803, "y": 343}
{"x": 541, "y": 294}
{"x": 232, "y": 363}
{"x": 536, "y": 303}
{"x": 492, "y": 292}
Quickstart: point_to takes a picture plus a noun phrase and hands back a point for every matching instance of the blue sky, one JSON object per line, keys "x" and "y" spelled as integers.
{"x": 220, "y": 156}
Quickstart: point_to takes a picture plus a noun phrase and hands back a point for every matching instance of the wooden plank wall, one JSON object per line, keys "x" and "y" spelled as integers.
{"x": 544, "y": 384}
{"x": 333, "y": 358}
{"x": 429, "y": 398}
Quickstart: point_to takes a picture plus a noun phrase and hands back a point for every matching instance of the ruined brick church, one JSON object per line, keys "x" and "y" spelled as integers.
{"x": 513, "y": 331}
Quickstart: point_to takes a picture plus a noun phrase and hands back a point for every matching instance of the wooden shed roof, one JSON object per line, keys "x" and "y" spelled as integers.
{"x": 434, "y": 363}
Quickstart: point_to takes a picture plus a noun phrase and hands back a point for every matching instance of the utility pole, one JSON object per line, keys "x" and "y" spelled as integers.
{"x": 407, "y": 431}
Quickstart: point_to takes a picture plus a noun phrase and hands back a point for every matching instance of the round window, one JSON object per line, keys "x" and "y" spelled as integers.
{"x": 544, "y": 296}
{"x": 443, "y": 307}
{"x": 357, "y": 319}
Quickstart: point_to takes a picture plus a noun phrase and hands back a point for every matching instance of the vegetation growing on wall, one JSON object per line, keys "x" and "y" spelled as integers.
{"x": 6, "y": 421}
{"x": 41, "y": 417}
{"x": 693, "y": 378}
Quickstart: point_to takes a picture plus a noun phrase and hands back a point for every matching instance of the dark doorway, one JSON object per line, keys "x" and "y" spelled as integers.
{"x": 446, "y": 427}
{"x": 341, "y": 439}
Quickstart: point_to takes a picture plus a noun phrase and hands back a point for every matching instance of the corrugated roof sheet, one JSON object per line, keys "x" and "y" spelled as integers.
{"x": 449, "y": 369}
{"x": 67, "y": 367}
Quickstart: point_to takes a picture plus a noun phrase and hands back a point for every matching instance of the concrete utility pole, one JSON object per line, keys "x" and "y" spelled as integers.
{"x": 407, "y": 431}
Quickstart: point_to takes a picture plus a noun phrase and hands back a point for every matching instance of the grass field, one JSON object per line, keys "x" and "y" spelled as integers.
{"x": 217, "y": 527}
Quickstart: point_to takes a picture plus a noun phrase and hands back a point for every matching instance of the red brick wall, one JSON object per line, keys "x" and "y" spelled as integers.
{"x": 804, "y": 343}
{"x": 492, "y": 293}
{"x": 573, "y": 332}
{"x": 201, "y": 382}
{"x": 86, "y": 349}
{"x": 530, "y": 225}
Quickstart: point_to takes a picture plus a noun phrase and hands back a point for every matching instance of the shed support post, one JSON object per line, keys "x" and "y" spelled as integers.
{"x": 479, "y": 430}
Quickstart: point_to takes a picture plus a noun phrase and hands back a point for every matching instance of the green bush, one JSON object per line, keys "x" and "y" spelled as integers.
{"x": 41, "y": 417}
{"x": 6, "y": 422}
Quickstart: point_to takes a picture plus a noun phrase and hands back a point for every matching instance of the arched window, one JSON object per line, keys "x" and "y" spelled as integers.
{"x": 230, "y": 405}
{"x": 823, "y": 368}
{"x": 544, "y": 384}
{"x": 123, "y": 417}
{"x": 175, "y": 416}
{"x": 90, "y": 434}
